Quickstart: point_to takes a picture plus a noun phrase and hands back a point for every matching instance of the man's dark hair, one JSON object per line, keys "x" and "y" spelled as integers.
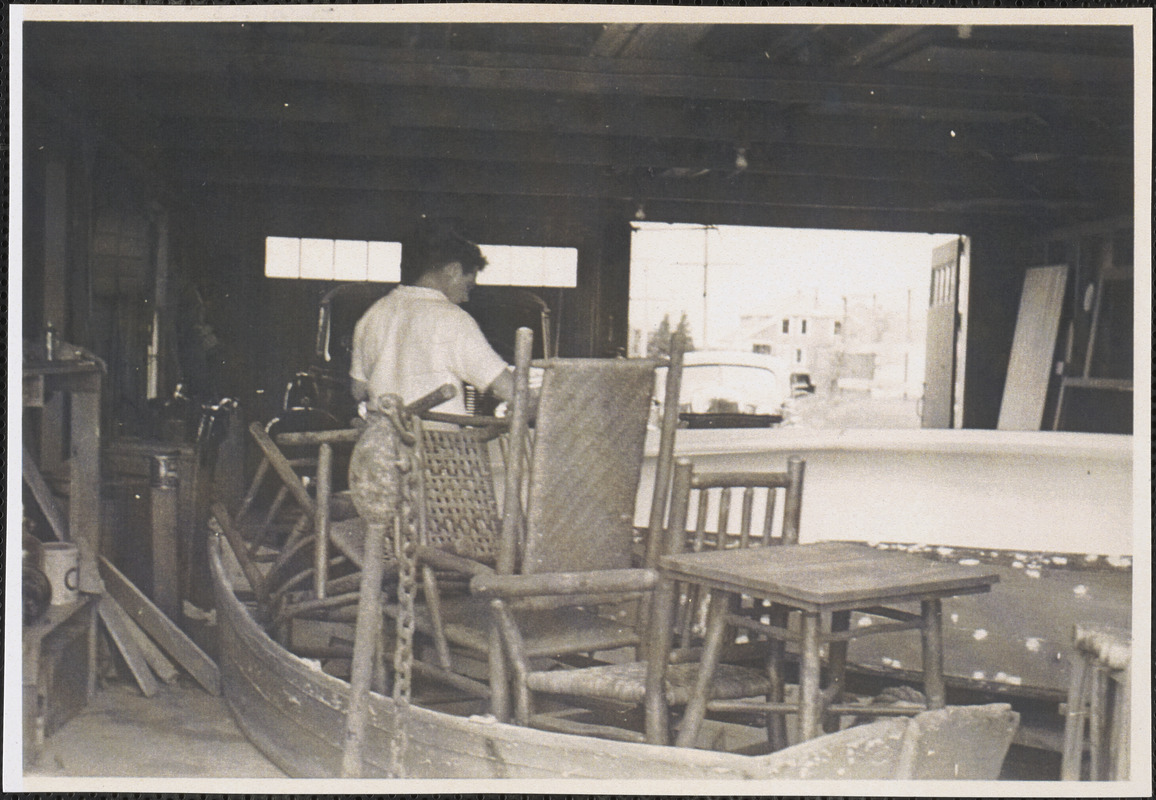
{"x": 433, "y": 248}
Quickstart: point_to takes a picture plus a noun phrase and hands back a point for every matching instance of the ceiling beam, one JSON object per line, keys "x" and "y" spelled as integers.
{"x": 576, "y": 181}
{"x": 623, "y": 154}
{"x": 409, "y": 107}
{"x": 143, "y": 53}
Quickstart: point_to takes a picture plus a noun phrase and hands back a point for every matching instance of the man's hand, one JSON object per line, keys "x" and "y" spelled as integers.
{"x": 503, "y": 386}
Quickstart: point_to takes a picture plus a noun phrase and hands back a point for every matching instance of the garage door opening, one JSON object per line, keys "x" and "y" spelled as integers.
{"x": 866, "y": 326}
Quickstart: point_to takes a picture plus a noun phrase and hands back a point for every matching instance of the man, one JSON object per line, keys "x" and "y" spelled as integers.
{"x": 416, "y": 338}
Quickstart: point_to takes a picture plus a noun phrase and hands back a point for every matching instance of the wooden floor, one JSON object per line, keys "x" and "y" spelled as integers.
{"x": 182, "y": 732}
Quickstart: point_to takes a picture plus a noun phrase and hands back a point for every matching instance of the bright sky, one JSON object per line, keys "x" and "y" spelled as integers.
{"x": 751, "y": 270}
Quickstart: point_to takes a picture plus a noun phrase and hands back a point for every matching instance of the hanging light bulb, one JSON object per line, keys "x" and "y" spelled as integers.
{"x": 640, "y": 212}
{"x": 741, "y": 162}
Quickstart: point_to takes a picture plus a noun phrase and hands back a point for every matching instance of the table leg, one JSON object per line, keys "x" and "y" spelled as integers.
{"x": 719, "y": 603}
{"x": 932, "y": 635}
{"x": 809, "y": 691}
{"x": 836, "y": 667}
{"x": 776, "y": 664}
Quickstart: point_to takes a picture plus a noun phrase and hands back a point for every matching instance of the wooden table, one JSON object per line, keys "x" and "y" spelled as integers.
{"x": 81, "y": 380}
{"x": 824, "y": 580}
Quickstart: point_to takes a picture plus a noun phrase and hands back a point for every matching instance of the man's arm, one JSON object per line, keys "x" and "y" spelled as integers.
{"x": 359, "y": 389}
{"x": 503, "y": 386}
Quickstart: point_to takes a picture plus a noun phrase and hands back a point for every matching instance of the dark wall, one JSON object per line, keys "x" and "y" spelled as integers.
{"x": 268, "y": 325}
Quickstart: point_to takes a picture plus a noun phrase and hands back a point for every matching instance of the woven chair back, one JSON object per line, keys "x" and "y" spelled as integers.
{"x": 461, "y": 509}
{"x": 584, "y": 470}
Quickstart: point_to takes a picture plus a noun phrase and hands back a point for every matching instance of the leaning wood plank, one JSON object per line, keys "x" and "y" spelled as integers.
{"x": 117, "y": 626}
{"x": 44, "y": 497}
{"x": 171, "y": 638}
{"x": 1029, "y": 368}
{"x": 157, "y": 660}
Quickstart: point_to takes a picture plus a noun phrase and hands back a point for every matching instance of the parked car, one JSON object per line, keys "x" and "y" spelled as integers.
{"x": 725, "y": 389}
{"x": 801, "y": 384}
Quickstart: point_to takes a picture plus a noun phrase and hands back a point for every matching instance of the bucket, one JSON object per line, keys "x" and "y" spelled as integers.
{"x": 62, "y": 566}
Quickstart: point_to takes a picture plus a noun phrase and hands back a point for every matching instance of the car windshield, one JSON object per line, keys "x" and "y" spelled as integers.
{"x": 728, "y": 388}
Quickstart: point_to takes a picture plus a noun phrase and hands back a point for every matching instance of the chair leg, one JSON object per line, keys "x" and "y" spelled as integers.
{"x": 657, "y": 653}
{"x": 1097, "y": 722}
{"x": 1121, "y": 735}
{"x": 718, "y": 605}
{"x": 499, "y": 679}
{"x": 1072, "y": 753}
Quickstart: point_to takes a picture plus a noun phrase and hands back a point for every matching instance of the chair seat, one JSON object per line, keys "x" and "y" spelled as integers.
{"x": 627, "y": 682}
{"x": 546, "y": 632}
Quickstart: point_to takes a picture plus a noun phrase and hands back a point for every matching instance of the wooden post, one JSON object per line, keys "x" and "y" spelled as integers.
{"x": 365, "y": 635}
{"x": 512, "y": 519}
{"x": 84, "y": 488}
{"x": 55, "y": 297}
{"x": 163, "y": 488}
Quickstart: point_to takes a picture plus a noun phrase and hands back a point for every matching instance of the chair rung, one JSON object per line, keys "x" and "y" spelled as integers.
{"x": 586, "y": 729}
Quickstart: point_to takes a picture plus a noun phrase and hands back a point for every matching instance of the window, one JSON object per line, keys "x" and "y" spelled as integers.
{"x": 838, "y": 327}
{"x": 786, "y": 326}
{"x": 352, "y": 260}
{"x": 332, "y": 259}
{"x": 803, "y": 328}
{"x": 798, "y": 356}
{"x": 762, "y": 348}
{"x": 529, "y": 266}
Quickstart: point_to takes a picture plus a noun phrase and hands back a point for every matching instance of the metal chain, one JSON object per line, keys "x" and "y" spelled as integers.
{"x": 409, "y": 528}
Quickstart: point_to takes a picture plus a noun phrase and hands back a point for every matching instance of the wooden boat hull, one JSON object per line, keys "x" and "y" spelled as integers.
{"x": 295, "y": 714}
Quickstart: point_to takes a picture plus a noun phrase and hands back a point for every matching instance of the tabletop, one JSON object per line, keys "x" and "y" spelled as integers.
{"x": 828, "y": 576}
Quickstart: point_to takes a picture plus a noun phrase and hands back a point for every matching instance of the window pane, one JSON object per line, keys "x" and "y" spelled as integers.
{"x": 282, "y": 257}
{"x": 349, "y": 260}
{"x": 317, "y": 259}
{"x": 384, "y": 262}
{"x": 529, "y": 266}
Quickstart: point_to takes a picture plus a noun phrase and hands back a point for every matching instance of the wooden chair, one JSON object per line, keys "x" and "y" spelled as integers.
{"x": 1098, "y": 715}
{"x": 568, "y": 506}
{"x": 665, "y": 675}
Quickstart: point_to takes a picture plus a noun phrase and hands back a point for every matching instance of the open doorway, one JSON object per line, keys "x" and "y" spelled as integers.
{"x": 844, "y": 314}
